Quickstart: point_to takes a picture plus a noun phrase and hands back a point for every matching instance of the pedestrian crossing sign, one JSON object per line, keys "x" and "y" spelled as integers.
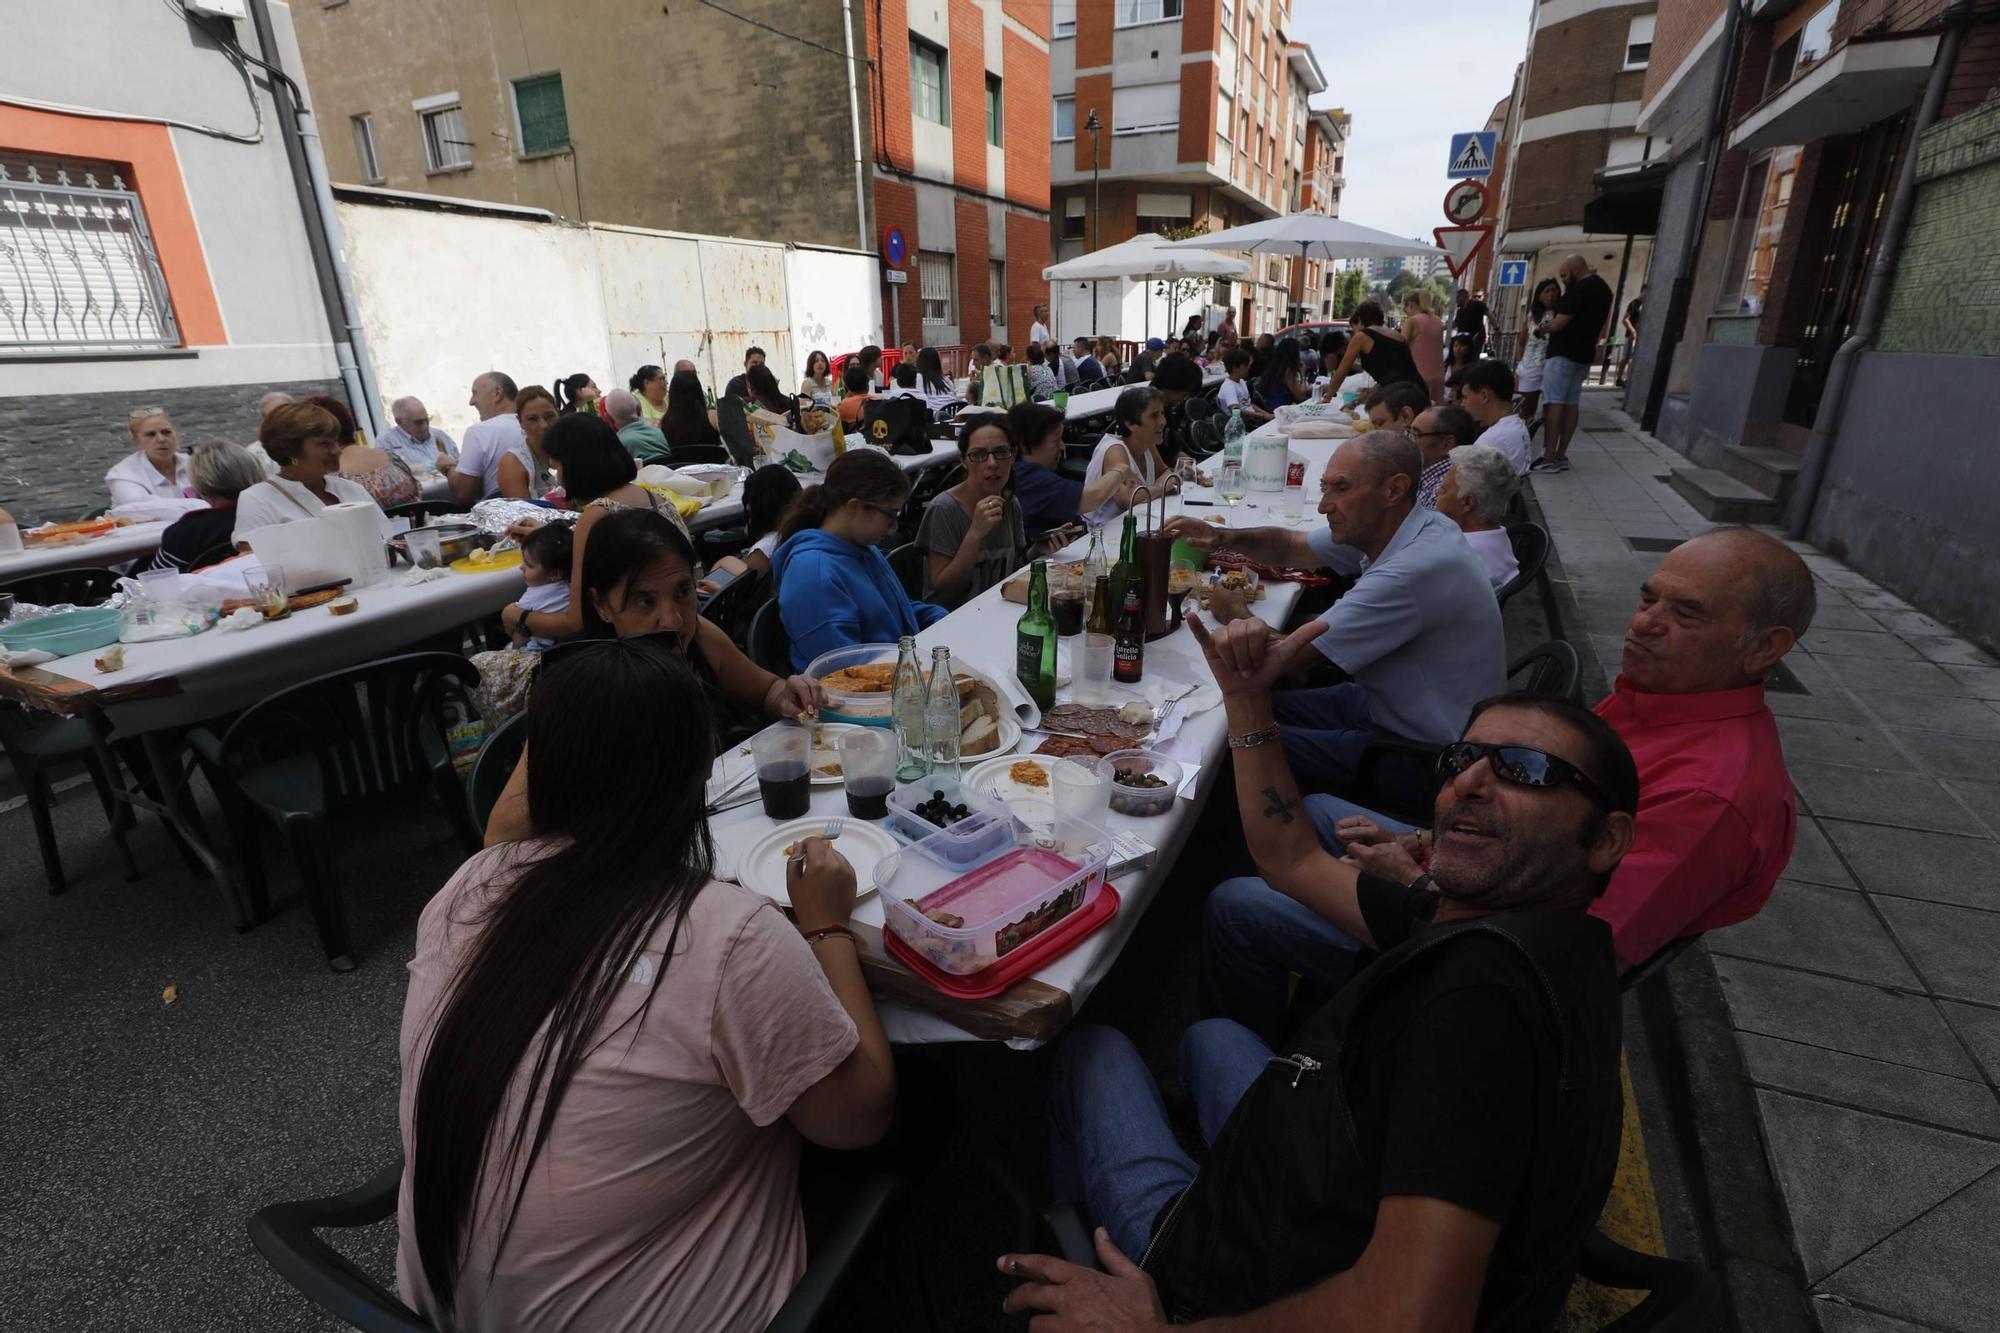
{"x": 1471, "y": 155}
{"x": 1513, "y": 273}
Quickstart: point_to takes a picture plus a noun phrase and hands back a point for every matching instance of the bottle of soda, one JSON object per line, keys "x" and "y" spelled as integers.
{"x": 941, "y": 716}
{"x": 906, "y": 710}
{"x": 1035, "y": 641}
{"x": 1128, "y": 648}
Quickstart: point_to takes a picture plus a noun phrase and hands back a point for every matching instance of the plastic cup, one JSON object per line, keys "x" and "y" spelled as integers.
{"x": 267, "y": 589}
{"x": 783, "y": 755}
{"x": 1082, "y": 788}
{"x": 1059, "y": 399}
{"x": 868, "y": 770}
{"x": 1294, "y": 502}
{"x": 426, "y": 548}
{"x": 162, "y": 588}
{"x": 1090, "y": 684}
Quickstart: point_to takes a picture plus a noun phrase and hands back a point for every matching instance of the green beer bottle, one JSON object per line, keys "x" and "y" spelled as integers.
{"x": 1035, "y": 641}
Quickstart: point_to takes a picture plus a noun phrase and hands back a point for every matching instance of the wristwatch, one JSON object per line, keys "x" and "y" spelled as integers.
{"x": 1250, "y": 740}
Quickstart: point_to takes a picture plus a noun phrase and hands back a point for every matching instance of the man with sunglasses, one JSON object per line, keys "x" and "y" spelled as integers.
{"x": 1432, "y": 1147}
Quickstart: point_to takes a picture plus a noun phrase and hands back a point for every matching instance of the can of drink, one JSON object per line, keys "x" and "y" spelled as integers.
{"x": 1295, "y": 474}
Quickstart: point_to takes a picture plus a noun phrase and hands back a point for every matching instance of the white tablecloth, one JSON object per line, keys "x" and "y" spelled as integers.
{"x": 982, "y": 633}
{"x": 114, "y": 548}
{"x": 1103, "y": 400}
{"x": 222, "y": 669}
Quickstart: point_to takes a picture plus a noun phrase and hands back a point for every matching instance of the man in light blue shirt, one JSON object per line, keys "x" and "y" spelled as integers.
{"x": 1418, "y": 635}
{"x": 412, "y": 439}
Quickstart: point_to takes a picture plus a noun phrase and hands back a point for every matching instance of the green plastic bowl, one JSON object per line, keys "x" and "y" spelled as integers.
{"x": 64, "y": 633}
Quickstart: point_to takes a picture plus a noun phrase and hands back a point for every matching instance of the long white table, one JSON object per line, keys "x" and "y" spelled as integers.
{"x": 981, "y": 633}
{"x": 1103, "y": 400}
{"x": 115, "y": 547}
{"x": 726, "y": 509}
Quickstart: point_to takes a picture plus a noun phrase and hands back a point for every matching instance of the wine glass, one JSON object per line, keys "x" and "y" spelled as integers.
{"x": 1230, "y": 485}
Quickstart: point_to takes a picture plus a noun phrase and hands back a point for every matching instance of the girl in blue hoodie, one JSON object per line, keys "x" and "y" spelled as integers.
{"x": 834, "y": 587}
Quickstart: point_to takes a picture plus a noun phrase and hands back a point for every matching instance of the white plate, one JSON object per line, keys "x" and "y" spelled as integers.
{"x": 762, "y": 866}
{"x": 1010, "y": 736}
{"x": 989, "y": 777}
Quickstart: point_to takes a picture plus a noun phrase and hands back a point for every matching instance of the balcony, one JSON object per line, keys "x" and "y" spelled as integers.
{"x": 1862, "y": 82}
{"x": 1306, "y": 66}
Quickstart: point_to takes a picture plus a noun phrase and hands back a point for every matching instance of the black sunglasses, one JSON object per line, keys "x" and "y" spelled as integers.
{"x": 1520, "y": 765}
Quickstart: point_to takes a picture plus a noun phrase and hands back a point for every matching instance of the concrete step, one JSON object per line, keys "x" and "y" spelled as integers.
{"x": 1762, "y": 468}
{"x": 1721, "y": 498}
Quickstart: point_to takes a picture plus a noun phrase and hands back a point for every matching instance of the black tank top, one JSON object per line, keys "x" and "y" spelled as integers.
{"x": 1388, "y": 361}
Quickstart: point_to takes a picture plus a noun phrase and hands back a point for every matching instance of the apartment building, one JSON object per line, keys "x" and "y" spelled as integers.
{"x": 1823, "y": 160}
{"x": 740, "y": 121}
{"x": 1571, "y": 116}
{"x": 1320, "y": 186}
{"x": 1201, "y": 116}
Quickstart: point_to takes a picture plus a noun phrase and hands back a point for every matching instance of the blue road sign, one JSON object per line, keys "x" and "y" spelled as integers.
{"x": 1513, "y": 273}
{"x": 1471, "y": 155}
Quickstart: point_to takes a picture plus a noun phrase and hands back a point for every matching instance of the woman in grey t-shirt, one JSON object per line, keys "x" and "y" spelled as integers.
{"x": 972, "y": 534}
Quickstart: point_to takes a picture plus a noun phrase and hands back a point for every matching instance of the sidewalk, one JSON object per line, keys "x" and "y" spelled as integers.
{"x": 1865, "y": 999}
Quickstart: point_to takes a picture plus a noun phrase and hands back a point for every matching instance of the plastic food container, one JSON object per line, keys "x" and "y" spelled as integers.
{"x": 65, "y": 632}
{"x": 963, "y": 921}
{"x": 965, "y": 843}
{"x": 1128, "y": 799}
{"x": 867, "y": 707}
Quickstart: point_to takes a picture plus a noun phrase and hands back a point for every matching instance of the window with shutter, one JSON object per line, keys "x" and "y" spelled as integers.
{"x": 937, "y": 278}
{"x": 1145, "y": 107}
{"x": 541, "y": 114}
{"x": 77, "y": 264}
{"x": 930, "y": 89}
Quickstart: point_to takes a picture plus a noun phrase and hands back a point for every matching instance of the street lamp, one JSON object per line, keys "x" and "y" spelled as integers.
{"x": 1095, "y": 126}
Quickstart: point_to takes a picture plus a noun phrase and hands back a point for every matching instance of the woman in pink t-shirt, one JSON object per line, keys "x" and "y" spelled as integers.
{"x": 609, "y": 1057}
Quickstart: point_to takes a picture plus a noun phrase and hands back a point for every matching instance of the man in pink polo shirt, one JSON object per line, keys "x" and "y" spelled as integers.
{"x": 1717, "y": 815}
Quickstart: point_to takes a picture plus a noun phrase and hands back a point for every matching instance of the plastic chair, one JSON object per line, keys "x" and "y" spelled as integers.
{"x": 76, "y": 587}
{"x": 1399, "y": 777}
{"x": 324, "y": 749}
{"x": 493, "y": 765}
{"x": 730, "y": 609}
{"x": 286, "y": 1235}
{"x": 1531, "y": 552}
{"x": 214, "y": 555}
{"x": 416, "y": 509}
{"x": 770, "y": 647}
{"x": 35, "y": 742}
{"x": 908, "y": 561}
{"x": 731, "y": 421}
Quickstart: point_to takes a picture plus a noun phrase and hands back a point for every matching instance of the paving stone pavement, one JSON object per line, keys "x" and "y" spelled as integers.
{"x": 1866, "y": 996}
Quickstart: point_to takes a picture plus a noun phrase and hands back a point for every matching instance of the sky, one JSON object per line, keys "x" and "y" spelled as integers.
{"x": 1435, "y": 68}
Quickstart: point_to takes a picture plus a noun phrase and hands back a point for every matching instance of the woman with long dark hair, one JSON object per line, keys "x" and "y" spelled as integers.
{"x": 686, "y": 423}
{"x": 931, "y": 381}
{"x": 524, "y": 473}
{"x": 972, "y": 534}
{"x": 762, "y": 387}
{"x": 835, "y": 586}
{"x": 1283, "y": 382}
{"x": 609, "y": 1056}
{"x": 576, "y": 393}
{"x": 818, "y": 381}
{"x": 1051, "y": 502}
{"x": 768, "y": 494}
{"x": 1534, "y": 345}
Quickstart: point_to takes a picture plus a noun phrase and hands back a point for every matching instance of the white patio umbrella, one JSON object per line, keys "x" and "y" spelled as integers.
{"x": 1309, "y": 236}
{"x": 1150, "y": 255}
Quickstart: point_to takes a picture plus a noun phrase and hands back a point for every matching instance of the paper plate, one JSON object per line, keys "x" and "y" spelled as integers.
{"x": 505, "y": 560}
{"x": 1010, "y": 736}
{"x": 762, "y": 866}
{"x": 989, "y": 778}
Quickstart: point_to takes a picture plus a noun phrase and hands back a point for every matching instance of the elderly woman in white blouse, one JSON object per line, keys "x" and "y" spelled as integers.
{"x": 156, "y": 468}
{"x": 304, "y": 441}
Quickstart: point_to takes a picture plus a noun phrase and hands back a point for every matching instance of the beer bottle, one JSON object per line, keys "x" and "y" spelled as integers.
{"x": 1128, "y": 649}
{"x": 1127, "y": 568}
{"x": 1035, "y": 641}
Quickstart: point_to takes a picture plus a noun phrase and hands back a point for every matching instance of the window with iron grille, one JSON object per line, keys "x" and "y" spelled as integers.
{"x": 364, "y": 149}
{"x": 930, "y": 82}
{"x": 937, "y": 279}
{"x": 447, "y": 147}
{"x": 77, "y": 264}
{"x": 541, "y": 115}
{"x": 996, "y": 293}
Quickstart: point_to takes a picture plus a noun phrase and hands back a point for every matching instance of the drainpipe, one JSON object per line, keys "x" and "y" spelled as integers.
{"x": 302, "y": 148}
{"x": 1875, "y": 296}
{"x": 854, "y": 120}
{"x": 1712, "y": 147}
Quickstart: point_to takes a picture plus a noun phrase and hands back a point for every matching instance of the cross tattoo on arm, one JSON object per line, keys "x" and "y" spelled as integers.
{"x": 1279, "y": 808}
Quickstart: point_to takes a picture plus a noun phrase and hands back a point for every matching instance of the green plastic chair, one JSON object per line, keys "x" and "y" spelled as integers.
{"x": 36, "y": 742}
{"x": 734, "y": 425}
{"x": 493, "y": 766}
{"x": 325, "y": 750}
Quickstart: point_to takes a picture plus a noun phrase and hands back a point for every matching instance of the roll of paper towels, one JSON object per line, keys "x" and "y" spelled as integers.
{"x": 359, "y": 525}
{"x": 344, "y": 542}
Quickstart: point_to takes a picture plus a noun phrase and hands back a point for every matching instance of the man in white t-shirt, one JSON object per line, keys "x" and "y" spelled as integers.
{"x": 1479, "y": 484}
{"x": 1486, "y": 389}
{"x": 1039, "y": 331}
{"x": 476, "y": 475}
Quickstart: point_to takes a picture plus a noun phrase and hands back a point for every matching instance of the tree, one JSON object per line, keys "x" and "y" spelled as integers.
{"x": 1441, "y": 290}
{"x": 1179, "y": 290}
{"x": 1403, "y": 283}
{"x": 1349, "y": 289}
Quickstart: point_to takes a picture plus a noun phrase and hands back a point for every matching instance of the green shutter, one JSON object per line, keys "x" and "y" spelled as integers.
{"x": 544, "y": 118}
